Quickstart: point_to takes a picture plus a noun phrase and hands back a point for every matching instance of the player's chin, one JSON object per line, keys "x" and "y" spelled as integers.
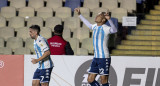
{"x": 97, "y": 21}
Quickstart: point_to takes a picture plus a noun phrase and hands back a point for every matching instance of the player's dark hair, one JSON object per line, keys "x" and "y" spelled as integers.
{"x": 36, "y": 27}
{"x": 58, "y": 29}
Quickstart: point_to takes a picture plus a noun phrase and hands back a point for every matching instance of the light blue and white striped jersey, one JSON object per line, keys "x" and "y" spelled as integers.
{"x": 100, "y": 40}
{"x": 100, "y": 37}
{"x": 41, "y": 46}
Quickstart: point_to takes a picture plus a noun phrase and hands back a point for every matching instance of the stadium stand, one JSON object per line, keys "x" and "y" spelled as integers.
{"x": 91, "y": 4}
{"x": 144, "y": 40}
{"x": 5, "y": 51}
{"x": 45, "y": 30}
{"x": 109, "y": 4}
{"x": 8, "y": 12}
{"x": 17, "y": 15}
{"x": 74, "y": 42}
{"x": 66, "y": 33}
{"x": 36, "y": 4}
{"x": 18, "y": 3}
{"x": 35, "y": 21}
{"x": 81, "y": 51}
{"x": 63, "y": 12}
{"x": 6, "y": 32}
{"x": 72, "y": 23}
{"x": 51, "y": 22}
{"x": 119, "y": 1}
{"x": 81, "y": 34}
{"x": 45, "y": 12}
{"x": 119, "y": 13}
{"x": 21, "y": 51}
{"x": 87, "y": 44}
{"x": 1, "y": 42}
{"x": 16, "y": 22}
{"x": 2, "y": 21}
{"x": 84, "y": 11}
{"x": 29, "y": 45}
{"x": 14, "y": 42}
{"x": 26, "y": 12}
{"x": 23, "y": 33}
{"x": 130, "y": 5}
{"x": 54, "y": 4}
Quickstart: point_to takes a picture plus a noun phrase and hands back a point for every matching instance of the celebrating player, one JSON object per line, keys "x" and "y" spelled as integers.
{"x": 43, "y": 72}
{"x": 101, "y": 61}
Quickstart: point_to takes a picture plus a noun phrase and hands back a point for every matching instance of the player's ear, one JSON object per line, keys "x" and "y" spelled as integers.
{"x": 36, "y": 32}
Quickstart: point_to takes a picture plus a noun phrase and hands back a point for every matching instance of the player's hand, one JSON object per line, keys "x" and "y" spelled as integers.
{"x": 107, "y": 16}
{"x": 78, "y": 11}
{"x": 34, "y": 61}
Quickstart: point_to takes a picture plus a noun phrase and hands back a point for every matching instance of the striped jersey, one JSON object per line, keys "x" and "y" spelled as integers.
{"x": 100, "y": 40}
{"x": 41, "y": 46}
{"x": 100, "y": 37}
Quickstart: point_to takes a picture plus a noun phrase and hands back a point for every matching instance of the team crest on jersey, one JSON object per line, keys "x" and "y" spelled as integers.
{"x": 41, "y": 45}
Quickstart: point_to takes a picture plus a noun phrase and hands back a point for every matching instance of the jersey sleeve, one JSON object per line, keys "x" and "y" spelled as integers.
{"x": 43, "y": 45}
{"x": 107, "y": 29}
{"x": 86, "y": 22}
{"x": 113, "y": 28}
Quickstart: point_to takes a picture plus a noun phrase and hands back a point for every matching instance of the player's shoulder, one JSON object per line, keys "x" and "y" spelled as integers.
{"x": 105, "y": 26}
{"x": 40, "y": 39}
{"x": 94, "y": 25}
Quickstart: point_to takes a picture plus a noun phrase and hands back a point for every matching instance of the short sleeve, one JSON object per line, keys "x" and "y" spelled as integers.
{"x": 93, "y": 26}
{"x": 43, "y": 45}
{"x": 107, "y": 29}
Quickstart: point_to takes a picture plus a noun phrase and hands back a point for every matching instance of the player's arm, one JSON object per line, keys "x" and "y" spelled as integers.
{"x": 113, "y": 27}
{"x": 46, "y": 54}
{"x": 45, "y": 48}
{"x": 86, "y": 22}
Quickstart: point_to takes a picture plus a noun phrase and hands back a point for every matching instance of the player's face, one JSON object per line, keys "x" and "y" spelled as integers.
{"x": 32, "y": 33}
{"x": 99, "y": 18}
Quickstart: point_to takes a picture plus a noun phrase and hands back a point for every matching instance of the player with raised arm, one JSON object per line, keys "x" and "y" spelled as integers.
{"x": 101, "y": 61}
{"x": 43, "y": 72}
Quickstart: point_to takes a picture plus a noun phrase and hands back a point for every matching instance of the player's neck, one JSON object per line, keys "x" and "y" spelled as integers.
{"x": 36, "y": 37}
{"x": 99, "y": 24}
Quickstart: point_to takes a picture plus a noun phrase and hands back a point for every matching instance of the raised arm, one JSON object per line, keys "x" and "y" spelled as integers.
{"x": 86, "y": 22}
{"x": 113, "y": 27}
